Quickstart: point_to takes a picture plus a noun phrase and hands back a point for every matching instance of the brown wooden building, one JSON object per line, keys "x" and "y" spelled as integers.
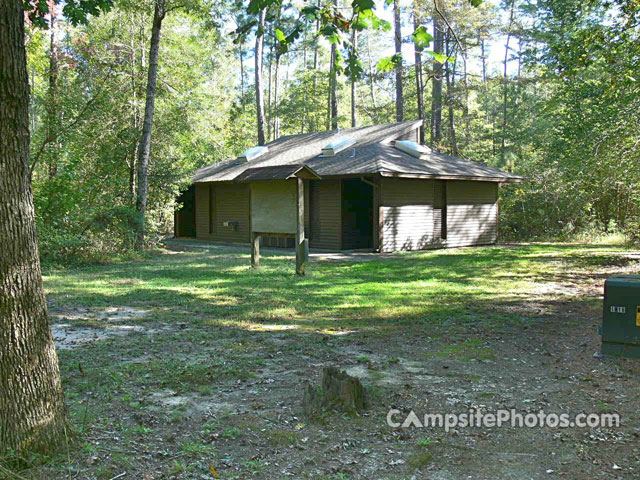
{"x": 364, "y": 188}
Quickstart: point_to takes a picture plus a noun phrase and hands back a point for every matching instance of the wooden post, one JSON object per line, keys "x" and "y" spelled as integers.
{"x": 255, "y": 249}
{"x": 380, "y": 228}
{"x": 301, "y": 262}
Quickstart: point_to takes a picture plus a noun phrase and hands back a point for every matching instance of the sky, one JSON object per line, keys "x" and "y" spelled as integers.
{"x": 495, "y": 46}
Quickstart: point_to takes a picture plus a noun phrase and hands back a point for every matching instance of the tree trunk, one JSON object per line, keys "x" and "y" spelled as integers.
{"x": 242, "y": 80}
{"x": 276, "y": 99}
{"x": 269, "y": 112}
{"x": 313, "y": 114}
{"x": 398, "y": 46}
{"x": 144, "y": 149}
{"x": 34, "y": 416}
{"x": 505, "y": 80}
{"x": 304, "y": 93}
{"x": 372, "y": 89}
{"x": 332, "y": 110}
{"x": 258, "y": 75}
{"x": 52, "y": 105}
{"x": 450, "y": 78}
{"x": 483, "y": 56}
{"x": 354, "y": 43}
{"x": 467, "y": 118}
{"x": 132, "y": 164}
{"x": 436, "y": 99}
{"x": 419, "y": 83}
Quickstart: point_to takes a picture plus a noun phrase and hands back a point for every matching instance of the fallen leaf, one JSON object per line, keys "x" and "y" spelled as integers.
{"x": 213, "y": 472}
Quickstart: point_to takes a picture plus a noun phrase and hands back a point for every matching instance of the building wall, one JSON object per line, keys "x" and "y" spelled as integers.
{"x": 406, "y": 207}
{"x": 472, "y": 213}
{"x": 325, "y": 214}
{"x": 217, "y": 203}
{"x": 412, "y": 136}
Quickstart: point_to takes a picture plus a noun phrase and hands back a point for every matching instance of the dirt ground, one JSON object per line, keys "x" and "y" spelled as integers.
{"x": 249, "y": 423}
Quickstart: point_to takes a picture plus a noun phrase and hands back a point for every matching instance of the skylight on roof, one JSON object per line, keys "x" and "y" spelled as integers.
{"x": 336, "y": 146}
{"x": 412, "y": 148}
{"x": 254, "y": 152}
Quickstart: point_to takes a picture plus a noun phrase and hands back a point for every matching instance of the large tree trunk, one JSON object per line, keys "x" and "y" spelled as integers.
{"x": 436, "y": 99}
{"x": 258, "y": 75}
{"x": 398, "y": 46}
{"x": 144, "y": 149}
{"x": 31, "y": 400}
{"x": 419, "y": 82}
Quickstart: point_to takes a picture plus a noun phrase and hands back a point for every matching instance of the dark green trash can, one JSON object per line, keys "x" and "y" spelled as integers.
{"x": 621, "y": 316}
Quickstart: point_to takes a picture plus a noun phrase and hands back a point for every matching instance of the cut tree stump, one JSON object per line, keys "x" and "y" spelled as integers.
{"x": 338, "y": 391}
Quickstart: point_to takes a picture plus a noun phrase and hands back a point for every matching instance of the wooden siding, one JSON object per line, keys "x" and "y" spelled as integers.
{"x": 411, "y": 136}
{"x": 232, "y": 204}
{"x": 406, "y": 207}
{"x": 472, "y": 213}
{"x": 325, "y": 214}
{"x": 202, "y": 211}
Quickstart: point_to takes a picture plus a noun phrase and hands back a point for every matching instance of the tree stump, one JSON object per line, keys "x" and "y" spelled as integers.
{"x": 339, "y": 391}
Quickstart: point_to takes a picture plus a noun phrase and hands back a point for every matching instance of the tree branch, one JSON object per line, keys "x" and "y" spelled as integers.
{"x": 50, "y": 138}
{"x": 435, "y": 4}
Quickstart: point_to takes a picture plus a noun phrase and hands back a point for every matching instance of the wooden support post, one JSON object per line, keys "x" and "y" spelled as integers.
{"x": 255, "y": 249}
{"x": 380, "y": 229}
{"x": 301, "y": 261}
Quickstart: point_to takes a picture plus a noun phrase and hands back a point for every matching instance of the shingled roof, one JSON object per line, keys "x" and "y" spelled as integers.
{"x": 373, "y": 153}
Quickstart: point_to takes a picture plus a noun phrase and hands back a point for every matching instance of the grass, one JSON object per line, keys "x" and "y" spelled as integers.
{"x": 447, "y": 286}
{"x": 216, "y": 322}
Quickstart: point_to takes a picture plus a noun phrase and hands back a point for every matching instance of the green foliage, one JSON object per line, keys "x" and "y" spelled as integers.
{"x": 83, "y": 212}
{"x": 567, "y": 120}
{"x": 76, "y": 11}
{"x": 421, "y": 38}
{"x": 387, "y": 64}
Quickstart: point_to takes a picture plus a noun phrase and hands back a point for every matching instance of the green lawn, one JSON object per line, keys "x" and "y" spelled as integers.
{"x": 219, "y": 337}
{"x": 432, "y": 287}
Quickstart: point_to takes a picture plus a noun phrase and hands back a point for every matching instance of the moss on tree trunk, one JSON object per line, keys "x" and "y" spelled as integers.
{"x": 32, "y": 410}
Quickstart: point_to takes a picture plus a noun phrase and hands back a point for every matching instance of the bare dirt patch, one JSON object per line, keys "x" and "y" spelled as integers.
{"x": 76, "y": 327}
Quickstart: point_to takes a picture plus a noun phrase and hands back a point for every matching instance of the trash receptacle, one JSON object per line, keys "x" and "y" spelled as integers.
{"x": 621, "y": 316}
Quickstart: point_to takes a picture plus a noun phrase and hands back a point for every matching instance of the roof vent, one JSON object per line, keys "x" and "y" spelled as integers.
{"x": 254, "y": 152}
{"x": 336, "y": 146}
{"x": 412, "y": 148}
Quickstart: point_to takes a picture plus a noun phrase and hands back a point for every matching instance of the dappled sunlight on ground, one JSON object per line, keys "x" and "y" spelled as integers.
{"x": 196, "y": 358}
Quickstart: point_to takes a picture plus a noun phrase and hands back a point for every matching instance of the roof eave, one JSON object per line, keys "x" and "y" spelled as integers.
{"x": 476, "y": 178}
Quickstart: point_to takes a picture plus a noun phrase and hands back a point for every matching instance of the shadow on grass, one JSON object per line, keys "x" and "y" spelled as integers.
{"x": 434, "y": 288}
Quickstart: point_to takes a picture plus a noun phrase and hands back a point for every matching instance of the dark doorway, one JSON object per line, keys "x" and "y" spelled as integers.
{"x": 185, "y": 217}
{"x": 357, "y": 214}
{"x": 440, "y": 211}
